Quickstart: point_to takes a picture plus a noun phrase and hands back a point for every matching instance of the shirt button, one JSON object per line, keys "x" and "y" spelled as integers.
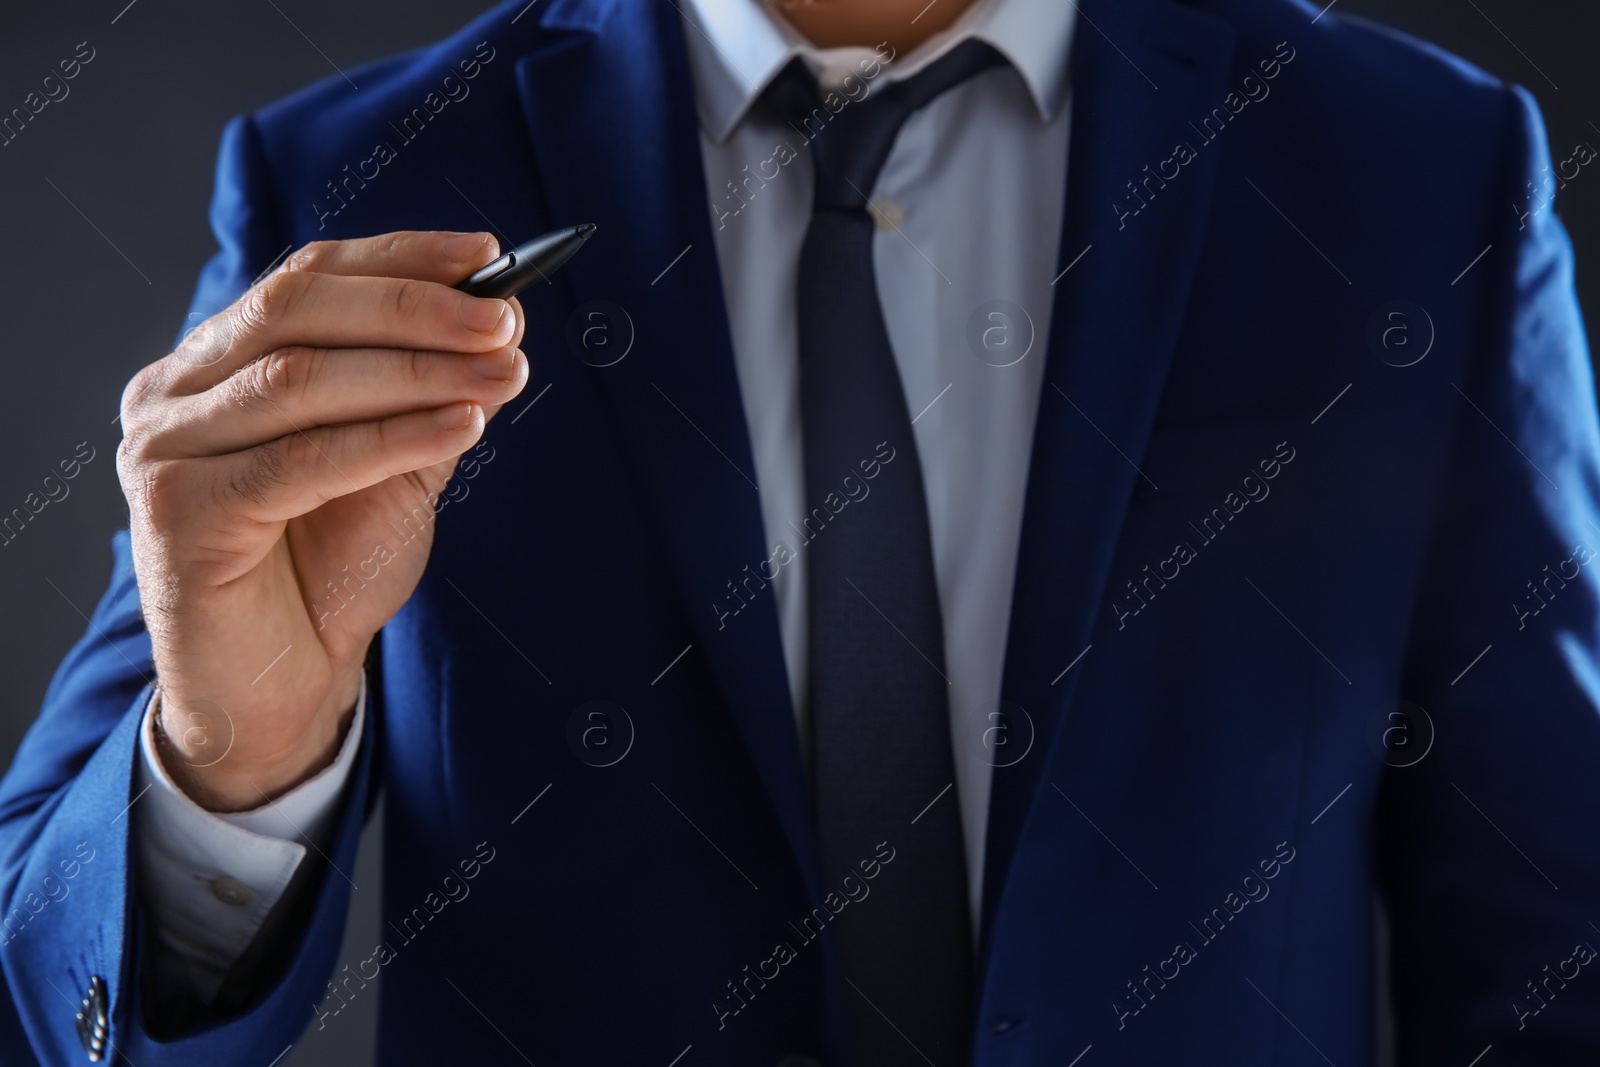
{"x": 231, "y": 891}
{"x": 887, "y": 214}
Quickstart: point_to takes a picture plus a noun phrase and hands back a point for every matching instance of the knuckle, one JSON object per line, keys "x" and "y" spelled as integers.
{"x": 143, "y": 415}
{"x": 164, "y": 496}
{"x": 282, "y": 376}
{"x": 408, "y": 298}
{"x": 129, "y": 466}
{"x": 265, "y": 468}
{"x": 290, "y": 372}
{"x": 272, "y": 300}
{"x": 418, "y": 368}
{"x": 385, "y": 440}
{"x": 310, "y": 257}
{"x": 153, "y": 489}
{"x": 207, "y": 341}
{"x": 134, "y": 448}
{"x": 136, "y": 394}
{"x": 247, "y": 388}
{"x": 394, "y": 243}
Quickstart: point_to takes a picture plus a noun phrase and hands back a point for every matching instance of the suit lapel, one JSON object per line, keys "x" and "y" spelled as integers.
{"x": 1142, "y": 70}
{"x": 608, "y": 101}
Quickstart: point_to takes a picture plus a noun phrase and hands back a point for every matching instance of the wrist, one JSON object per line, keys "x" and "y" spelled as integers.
{"x": 199, "y": 752}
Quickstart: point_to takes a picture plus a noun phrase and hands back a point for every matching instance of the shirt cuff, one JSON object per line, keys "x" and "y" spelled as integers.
{"x": 208, "y": 880}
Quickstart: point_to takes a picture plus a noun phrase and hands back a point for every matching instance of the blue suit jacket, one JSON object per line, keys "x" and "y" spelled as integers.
{"x": 1181, "y": 869}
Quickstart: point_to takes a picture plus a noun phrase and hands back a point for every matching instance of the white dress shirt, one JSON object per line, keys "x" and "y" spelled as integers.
{"x": 969, "y": 210}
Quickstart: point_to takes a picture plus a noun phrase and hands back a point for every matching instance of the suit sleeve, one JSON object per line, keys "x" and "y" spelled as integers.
{"x": 73, "y": 920}
{"x": 1489, "y": 848}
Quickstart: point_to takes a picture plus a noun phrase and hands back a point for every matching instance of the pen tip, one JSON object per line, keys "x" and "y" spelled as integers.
{"x": 586, "y": 230}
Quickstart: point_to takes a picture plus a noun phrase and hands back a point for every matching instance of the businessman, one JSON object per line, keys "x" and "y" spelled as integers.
{"x": 1028, "y": 526}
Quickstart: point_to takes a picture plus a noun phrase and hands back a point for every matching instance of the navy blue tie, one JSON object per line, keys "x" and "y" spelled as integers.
{"x": 882, "y": 768}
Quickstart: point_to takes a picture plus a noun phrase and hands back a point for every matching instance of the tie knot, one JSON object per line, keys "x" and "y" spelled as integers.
{"x": 850, "y": 134}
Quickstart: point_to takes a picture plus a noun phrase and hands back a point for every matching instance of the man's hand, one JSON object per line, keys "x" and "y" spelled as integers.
{"x": 286, "y": 439}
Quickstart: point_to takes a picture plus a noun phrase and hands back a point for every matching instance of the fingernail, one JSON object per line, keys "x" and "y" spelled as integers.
{"x": 482, "y": 315}
{"x": 455, "y": 416}
{"x": 498, "y": 365}
{"x": 463, "y": 247}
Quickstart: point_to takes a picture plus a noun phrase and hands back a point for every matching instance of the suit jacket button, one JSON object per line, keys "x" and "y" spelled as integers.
{"x": 93, "y": 1024}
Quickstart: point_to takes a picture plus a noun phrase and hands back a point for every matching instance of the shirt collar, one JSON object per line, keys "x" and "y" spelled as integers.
{"x": 736, "y": 47}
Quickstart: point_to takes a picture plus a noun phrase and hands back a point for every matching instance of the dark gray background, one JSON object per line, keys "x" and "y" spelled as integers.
{"x": 119, "y": 174}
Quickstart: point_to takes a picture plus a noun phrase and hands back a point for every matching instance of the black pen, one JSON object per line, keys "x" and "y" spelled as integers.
{"x": 529, "y": 262}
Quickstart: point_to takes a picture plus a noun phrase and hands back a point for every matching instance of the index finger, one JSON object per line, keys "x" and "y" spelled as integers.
{"x": 443, "y": 256}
